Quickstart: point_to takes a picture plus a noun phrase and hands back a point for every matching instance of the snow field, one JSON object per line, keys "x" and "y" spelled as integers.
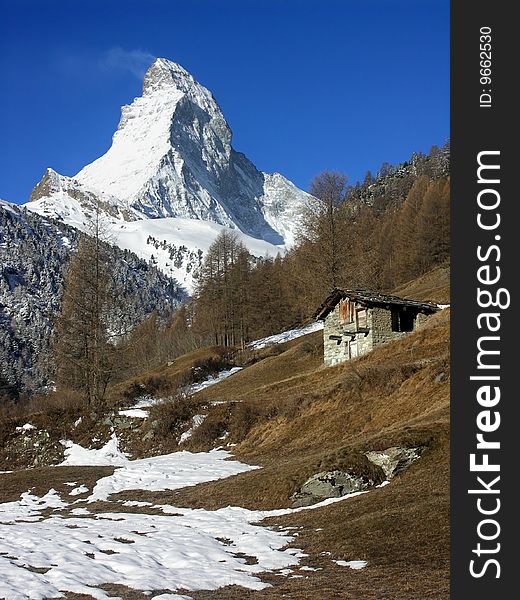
{"x": 181, "y": 549}
{"x": 168, "y": 472}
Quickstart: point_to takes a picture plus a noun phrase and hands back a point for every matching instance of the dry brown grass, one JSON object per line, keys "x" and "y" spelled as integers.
{"x": 167, "y": 379}
{"x": 433, "y": 286}
{"x": 396, "y": 395}
{"x": 40, "y": 481}
{"x": 272, "y": 366}
{"x": 295, "y": 417}
{"x": 400, "y": 387}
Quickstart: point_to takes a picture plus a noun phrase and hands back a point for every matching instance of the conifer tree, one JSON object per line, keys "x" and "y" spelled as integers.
{"x": 222, "y": 294}
{"x": 406, "y": 249}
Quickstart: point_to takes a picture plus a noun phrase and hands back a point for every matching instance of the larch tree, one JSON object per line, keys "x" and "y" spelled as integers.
{"x": 322, "y": 232}
{"x": 406, "y": 250}
{"x": 433, "y": 226}
{"x": 384, "y": 266}
{"x": 222, "y": 291}
{"x": 83, "y": 348}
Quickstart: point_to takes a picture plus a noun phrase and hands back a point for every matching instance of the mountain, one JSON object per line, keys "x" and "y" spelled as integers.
{"x": 171, "y": 161}
{"x": 34, "y": 253}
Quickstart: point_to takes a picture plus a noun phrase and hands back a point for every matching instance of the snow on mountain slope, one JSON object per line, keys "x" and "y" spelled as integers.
{"x": 138, "y": 146}
{"x": 173, "y": 245}
{"x": 176, "y": 246}
{"x": 66, "y": 199}
{"x": 171, "y": 157}
{"x": 8, "y": 206}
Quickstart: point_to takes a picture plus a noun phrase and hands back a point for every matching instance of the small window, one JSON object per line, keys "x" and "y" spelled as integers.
{"x": 402, "y": 320}
{"x": 361, "y": 315}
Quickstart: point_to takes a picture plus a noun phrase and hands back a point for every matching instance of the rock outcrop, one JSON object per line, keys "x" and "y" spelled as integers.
{"x": 329, "y": 484}
{"x": 340, "y": 482}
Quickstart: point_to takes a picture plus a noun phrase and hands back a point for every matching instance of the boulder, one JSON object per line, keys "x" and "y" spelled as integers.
{"x": 339, "y": 482}
{"x": 394, "y": 460}
{"x": 329, "y": 484}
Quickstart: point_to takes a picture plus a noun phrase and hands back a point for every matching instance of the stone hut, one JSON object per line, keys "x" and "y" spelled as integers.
{"x": 357, "y": 321}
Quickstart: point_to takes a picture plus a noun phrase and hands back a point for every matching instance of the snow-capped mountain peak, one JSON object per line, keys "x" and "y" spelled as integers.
{"x": 171, "y": 157}
{"x": 165, "y": 73}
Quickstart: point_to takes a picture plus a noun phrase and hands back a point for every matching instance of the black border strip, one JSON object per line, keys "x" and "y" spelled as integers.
{"x": 475, "y": 128}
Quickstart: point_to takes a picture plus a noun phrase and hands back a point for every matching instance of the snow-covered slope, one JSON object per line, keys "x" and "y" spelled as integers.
{"x": 171, "y": 157}
{"x": 177, "y": 246}
{"x": 66, "y": 199}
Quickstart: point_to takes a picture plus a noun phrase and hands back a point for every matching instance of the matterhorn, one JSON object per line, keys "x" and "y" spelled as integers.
{"x": 171, "y": 181}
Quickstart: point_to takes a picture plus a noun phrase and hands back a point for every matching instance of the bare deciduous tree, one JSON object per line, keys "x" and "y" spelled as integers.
{"x": 322, "y": 228}
{"x": 82, "y": 343}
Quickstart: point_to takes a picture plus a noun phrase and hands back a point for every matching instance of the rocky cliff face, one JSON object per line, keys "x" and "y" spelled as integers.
{"x": 171, "y": 157}
{"x": 34, "y": 253}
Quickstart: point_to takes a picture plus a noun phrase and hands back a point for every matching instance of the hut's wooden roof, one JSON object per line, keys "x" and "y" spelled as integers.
{"x": 370, "y": 299}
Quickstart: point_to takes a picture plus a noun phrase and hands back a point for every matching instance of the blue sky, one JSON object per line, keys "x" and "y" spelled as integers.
{"x": 305, "y": 85}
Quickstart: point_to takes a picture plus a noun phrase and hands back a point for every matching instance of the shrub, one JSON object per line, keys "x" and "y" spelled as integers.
{"x": 210, "y": 366}
{"x": 210, "y": 430}
{"x": 55, "y": 412}
{"x": 158, "y": 384}
{"x": 244, "y": 417}
{"x": 60, "y": 410}
{"x": 168, "y": 416}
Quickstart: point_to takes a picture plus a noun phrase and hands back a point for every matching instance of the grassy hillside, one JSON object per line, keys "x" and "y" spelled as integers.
{"x": 295, "y": 418}
{"x": 433, "y": 286}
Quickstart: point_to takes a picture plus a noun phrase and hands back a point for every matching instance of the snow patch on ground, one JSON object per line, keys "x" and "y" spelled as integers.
{"x": 29, "y": 507}
{"x": 144, "y": 552}
{"x": 168, "y": 472}
{"x": 147, "y": 401}
{"x": 107, "y": 456}
{"x": 26, "y": 427}
{"x": 353, "y": 564}
{"x": 196, "y": 421}
{"x": 171, "y": 597}
{"x": 82, "y": 489}
{"x": 286, "y": 336}
{"x": 135, "y": 413}
{"x": 197, "y": 387}
{"x": 182, "y": 549}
